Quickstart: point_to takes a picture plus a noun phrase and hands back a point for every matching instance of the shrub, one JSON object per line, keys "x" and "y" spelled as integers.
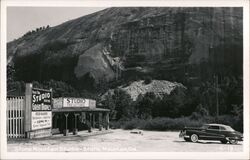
{"x": 132, "y": 124}
{"x": 158, "y": 124}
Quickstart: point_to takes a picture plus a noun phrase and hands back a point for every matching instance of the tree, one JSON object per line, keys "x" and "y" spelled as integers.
{"x": 120, "y": 104}
{"x": 145, "y": 105}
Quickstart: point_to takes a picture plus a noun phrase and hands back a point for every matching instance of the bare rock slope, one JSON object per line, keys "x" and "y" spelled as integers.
{"x": 158, "y": 87}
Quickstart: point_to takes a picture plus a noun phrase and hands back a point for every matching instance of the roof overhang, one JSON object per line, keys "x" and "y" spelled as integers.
{"x": 79, "y": 109}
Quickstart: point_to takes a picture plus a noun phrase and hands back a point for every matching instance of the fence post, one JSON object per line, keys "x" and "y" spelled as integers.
{"x": 28, "y": 98}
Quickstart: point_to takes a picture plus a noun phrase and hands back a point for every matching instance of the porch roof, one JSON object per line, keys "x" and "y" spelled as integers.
{"x": 79, "y": 109}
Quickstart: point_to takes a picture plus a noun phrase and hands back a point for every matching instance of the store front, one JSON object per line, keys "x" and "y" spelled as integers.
{"x": 77, "y": 114}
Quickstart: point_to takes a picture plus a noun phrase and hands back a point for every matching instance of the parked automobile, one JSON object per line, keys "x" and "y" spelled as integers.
{"x": 217, "y": 132}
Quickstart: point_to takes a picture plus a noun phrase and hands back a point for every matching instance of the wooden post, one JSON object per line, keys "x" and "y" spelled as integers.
{"x": 28, "y": 98}
{"x": 107, "y": 120}
{"x": 90, "y": 119}
{"x": 66, "y": 124}
{"x": 83, "y": 117}
{"x": 75, "y": 129}
{"x": 90, "y": 123}
{"x": 93, "y": 120}
{"x": 76, "y": 120}
{"x": 100, "y": 121}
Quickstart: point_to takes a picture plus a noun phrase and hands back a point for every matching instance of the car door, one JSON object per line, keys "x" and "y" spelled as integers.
{"x": 223, "y": 131}
{"x": 213, "y": 133}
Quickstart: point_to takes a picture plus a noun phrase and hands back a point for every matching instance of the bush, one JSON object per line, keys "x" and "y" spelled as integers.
{"x": 163, "y": 124}
{"x": 133, "y": 124}
{"x": 157, "y": 124}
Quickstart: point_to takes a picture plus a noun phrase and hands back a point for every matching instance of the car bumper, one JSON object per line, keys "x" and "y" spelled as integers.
{"x": 183, "y": 135}
{"x": 235, "y": 138}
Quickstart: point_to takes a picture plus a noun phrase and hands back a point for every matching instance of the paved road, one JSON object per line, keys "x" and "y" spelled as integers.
{"x": 122, "y": 140}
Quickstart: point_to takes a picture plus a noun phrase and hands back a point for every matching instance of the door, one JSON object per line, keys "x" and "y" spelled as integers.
{"x": 213, "y": 133}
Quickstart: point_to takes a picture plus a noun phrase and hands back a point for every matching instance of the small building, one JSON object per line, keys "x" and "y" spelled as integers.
{"x": 71, "y": 114}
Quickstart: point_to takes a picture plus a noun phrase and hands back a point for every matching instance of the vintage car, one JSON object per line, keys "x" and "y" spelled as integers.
{"x": 217, "y": 132}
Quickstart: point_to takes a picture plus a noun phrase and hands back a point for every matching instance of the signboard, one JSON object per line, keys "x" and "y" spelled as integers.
{"x": 75, "y": 102}
{"x": 41, "y": 100}
{"x": 40, "y": 120}
{"x": 92, "y": 103}
{"x": 41, "y": 114}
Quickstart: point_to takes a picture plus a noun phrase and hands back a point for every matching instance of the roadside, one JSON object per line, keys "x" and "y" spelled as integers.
{"x": 120, "y": 140}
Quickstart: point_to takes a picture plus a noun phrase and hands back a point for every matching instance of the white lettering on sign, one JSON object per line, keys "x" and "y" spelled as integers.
{"x": 75, "y": 102}
{"x": 43, "y": 96}
{"x": 41, "y": 119}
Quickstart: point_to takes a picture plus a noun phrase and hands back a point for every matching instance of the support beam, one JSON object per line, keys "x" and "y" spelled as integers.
{"x": 90, "y": 123}
{"x": 107, "y": 120}
{"x": 66, "y": 124}
{"x": 100, "y": 121}
{"x": 75, "y": 129}
{"x": 93, "y": 120}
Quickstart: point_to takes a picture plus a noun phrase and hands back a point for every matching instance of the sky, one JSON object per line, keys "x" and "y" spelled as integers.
{"x": 23, "y": 19}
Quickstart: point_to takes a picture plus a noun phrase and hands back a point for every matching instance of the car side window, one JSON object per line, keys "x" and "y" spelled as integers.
{"x": 214, "y": 127}
{"x": 222, "y": 128}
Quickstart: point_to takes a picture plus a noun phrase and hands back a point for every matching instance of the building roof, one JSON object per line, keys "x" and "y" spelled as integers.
{"x": 79, "y": 109}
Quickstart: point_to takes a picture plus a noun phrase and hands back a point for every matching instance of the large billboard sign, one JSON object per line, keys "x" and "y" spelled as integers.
{"x": 41, "y": 114}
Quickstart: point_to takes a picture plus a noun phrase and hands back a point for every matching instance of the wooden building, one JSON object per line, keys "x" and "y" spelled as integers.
{"x": 75, "y": 114}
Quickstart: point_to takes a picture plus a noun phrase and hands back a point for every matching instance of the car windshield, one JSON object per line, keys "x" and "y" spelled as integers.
{"x": 204, "y": 126}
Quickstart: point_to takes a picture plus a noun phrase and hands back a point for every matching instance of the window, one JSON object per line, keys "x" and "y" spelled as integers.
{"x": 222, "y": 128}
{"x": 214, "y": 127}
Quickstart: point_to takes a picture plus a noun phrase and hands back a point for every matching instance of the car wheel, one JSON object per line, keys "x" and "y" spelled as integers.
{"x": 187, "y": 139}
{"x": 233, "y": 141}
{"x": 224, "y": 141}
{"x": 194, "y": 138}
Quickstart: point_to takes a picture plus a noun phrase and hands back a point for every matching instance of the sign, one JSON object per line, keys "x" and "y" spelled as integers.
{"x": 41, "y": 114}
{"x": 40, "y": 120}
{"x": 41, "y": 100}
{"x": 75, "y": 102}
{"x": 92, "y": 103}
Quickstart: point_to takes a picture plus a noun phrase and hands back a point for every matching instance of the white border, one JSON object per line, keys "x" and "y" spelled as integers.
{"x": 125, "y": 155}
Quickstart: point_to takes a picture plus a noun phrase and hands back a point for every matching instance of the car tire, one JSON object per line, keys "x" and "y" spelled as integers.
{"x": 224, "y": 141}
{"x": 194, "y": 138}
{"x": 187, "y": 139}
{"x": 233, "y": 141}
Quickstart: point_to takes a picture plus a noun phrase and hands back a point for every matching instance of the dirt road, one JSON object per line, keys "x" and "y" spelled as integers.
{"x": 122, "y": 140}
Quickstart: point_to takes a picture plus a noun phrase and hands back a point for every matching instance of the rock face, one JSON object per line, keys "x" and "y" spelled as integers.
{"x": 123, "y": 42}
{"x": 158, "y": 87}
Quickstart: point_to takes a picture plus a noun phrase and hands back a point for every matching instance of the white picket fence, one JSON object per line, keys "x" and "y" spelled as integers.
{"x": 15, "y": 117}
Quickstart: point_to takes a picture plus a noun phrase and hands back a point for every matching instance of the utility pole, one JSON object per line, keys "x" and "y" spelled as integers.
{"x": 217, "y": 100}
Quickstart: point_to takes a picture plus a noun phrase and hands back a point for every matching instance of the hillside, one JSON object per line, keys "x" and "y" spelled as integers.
{"x": 123, "y": 43}
{"x": 190, "y": 58}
